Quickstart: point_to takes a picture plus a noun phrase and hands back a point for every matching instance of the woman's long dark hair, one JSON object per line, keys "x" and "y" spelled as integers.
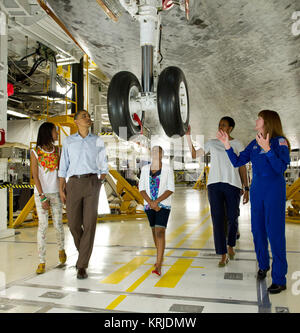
{"x": 45, "y": 137}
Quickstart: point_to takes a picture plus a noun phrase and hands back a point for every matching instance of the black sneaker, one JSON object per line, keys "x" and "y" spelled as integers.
{"x": 262, "y": 273}
{"x": 276, "y": 288}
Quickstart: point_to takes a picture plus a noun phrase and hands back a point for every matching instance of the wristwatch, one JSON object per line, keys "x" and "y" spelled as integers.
{"x": 246, "y": 188}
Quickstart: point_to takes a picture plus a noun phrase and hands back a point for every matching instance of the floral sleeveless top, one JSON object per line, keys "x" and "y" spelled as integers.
{"x": 48, "y": 161}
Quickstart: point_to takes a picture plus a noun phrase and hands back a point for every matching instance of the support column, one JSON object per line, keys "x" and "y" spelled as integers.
{"x": 4, "y": 232}
{"x": 77, "y": 76}
{"x": 87, "y": 85}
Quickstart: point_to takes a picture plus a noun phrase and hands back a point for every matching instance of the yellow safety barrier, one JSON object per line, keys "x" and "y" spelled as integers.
{"x": 28, "y": 208}
{"x": 293, "y": 193}
{"x": 202, "y": 180}
{"x": 16, "y": 186}
{"x": 128, "y": 194}
{"x": 22, "y": 217}
{"x": 106, "y": 133}
{"x": 24, "y": 213}
{"x": 11, "y": 199}
{"x": 125, "y": 191}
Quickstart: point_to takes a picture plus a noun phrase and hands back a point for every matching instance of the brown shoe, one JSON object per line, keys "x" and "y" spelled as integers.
{"x": 81, "y": 273}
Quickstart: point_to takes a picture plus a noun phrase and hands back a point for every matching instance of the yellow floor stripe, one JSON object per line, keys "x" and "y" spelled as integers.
{"x": 169, "y": 280}
{"x": 149, "y": 252}
{"x": 120, "y": 298}
{"x": 187, "y": 236}
{"x": 145, "y": 264}
{"x": 189, "y": 253}
{"x": 139, "y": 281}
{"x": 197, "y": 266}
{"x": 192, "y": 232}
{"x": 203, "y": 238}
{"x": 120, "y": 274}
{"x": 180, "y": 230}
{"x": 116, "y": 302}
{"x": 173, "y": 235}
{"x": 174, "y": 274}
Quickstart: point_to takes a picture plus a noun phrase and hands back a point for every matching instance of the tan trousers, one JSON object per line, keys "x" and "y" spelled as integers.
{"x": 82, "y": 213}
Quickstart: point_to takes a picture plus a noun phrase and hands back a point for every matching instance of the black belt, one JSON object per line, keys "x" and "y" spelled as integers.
{"x": 86, "y": 175}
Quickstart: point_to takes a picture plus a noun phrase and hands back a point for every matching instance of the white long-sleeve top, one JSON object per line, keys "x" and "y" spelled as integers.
{"x": 166, "y": 182}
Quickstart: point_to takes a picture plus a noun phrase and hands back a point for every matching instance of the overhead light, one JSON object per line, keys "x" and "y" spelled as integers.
{"x": 295, "y": 163}
{"x": 191, "y": 166}
{"x": 17, "y": 114}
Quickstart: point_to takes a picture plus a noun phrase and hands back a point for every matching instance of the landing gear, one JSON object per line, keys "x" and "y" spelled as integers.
{"x": 128, "y": 100}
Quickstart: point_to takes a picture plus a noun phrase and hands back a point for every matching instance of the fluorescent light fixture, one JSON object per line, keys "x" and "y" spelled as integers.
{"x": 190, "y": 166}
{"x": 63, "y": 91}
{"x": 17, "y": 114}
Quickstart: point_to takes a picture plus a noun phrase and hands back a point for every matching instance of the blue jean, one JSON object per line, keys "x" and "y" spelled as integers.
{"x": 158, "y": 219}
{"x": 221, "y": 195}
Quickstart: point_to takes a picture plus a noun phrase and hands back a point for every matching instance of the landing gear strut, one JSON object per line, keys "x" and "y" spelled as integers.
{"x": 166, "y": 92}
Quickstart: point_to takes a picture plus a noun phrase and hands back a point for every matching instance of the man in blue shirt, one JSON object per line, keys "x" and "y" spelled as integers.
{"x": 82, "y": 161}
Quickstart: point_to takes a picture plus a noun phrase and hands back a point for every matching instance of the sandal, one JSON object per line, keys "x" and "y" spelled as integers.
{"x": 155, "y": 271}
{"x": 41, "y": 268}
{"x": 62, "y": 256}
{"x": 231, "y": 255}
{"x": 223, "y": 263}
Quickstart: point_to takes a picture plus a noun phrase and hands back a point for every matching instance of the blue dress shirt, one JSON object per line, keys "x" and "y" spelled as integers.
{"x": 82, "y": 156}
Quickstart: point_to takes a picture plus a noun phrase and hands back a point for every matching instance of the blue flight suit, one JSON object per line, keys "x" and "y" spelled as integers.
{"x": 267, "y": 197}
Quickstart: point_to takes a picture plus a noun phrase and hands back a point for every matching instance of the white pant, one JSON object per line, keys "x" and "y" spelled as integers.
{"x": 56, "y": 209}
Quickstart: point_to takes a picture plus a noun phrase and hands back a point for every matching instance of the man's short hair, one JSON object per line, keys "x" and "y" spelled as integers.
{"x": 78, "y": 113}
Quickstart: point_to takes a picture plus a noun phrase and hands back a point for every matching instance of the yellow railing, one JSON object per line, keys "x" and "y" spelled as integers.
{"x": 127, "y": 192}
{"x": 66, "y": 99}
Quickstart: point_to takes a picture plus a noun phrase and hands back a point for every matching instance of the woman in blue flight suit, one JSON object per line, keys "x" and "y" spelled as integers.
{"x": 269, "y": 154}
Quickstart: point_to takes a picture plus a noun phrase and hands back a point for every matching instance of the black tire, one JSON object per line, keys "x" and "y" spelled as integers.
{"x": 170, "y": 81}
{"x": 118, "y": 103}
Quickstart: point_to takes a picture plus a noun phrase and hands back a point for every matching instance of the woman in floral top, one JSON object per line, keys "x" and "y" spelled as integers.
{"x": 44, "y": 161}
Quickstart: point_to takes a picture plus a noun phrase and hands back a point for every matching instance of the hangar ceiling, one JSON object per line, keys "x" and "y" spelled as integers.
{"x": 238, "y": 56}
